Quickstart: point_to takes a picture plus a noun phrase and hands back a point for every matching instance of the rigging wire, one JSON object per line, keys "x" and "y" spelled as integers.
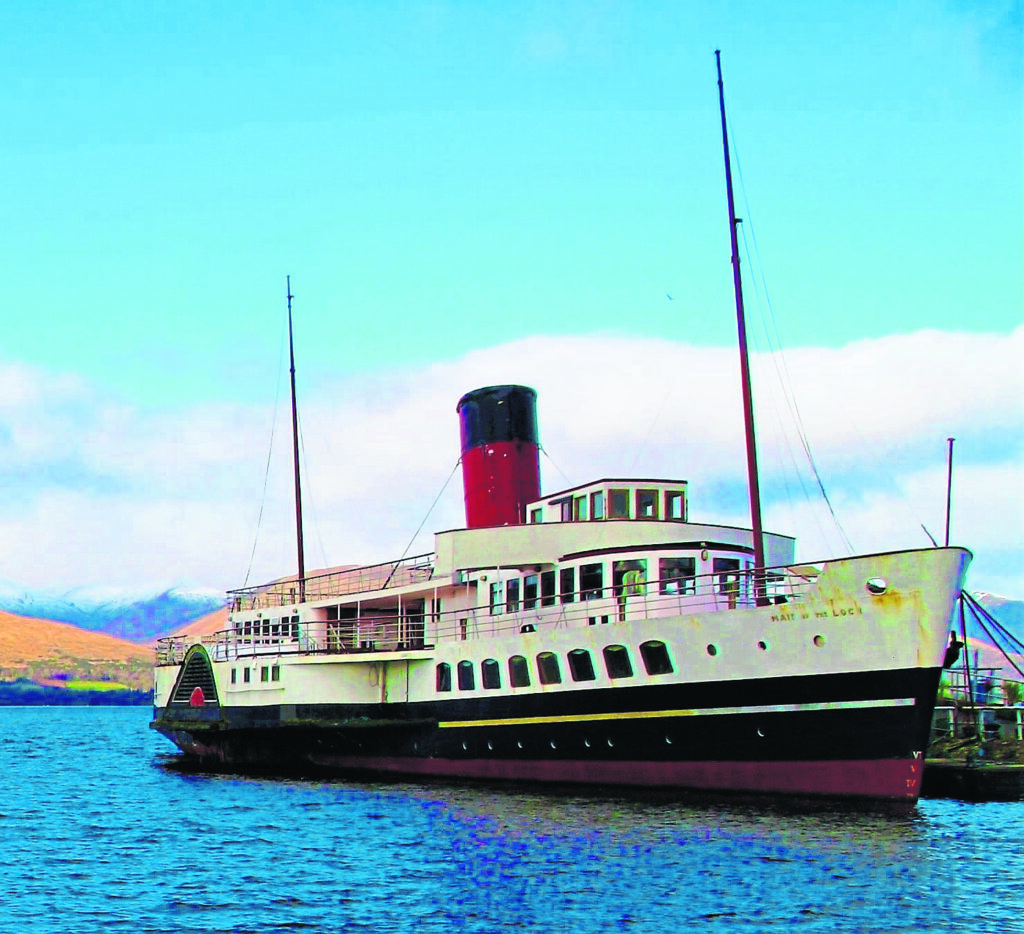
{"x": 266, "y": 472}
{"x": 778, "y": 356}
{"x": 551, "y": 461}
{"x": 424, "y": 521}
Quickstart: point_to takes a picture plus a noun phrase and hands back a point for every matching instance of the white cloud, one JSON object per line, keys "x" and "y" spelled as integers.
{"x": 101, "y": 492}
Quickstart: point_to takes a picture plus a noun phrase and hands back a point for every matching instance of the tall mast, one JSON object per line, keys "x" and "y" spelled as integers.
{"x": 741, "y": 324}
{"x": 949, "y": 485}
{"x": 295, "y": 453}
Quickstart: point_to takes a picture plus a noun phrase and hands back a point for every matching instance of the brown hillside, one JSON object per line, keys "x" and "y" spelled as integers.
{"x": 41, "y": 648}
{"x": 205, "y": 625}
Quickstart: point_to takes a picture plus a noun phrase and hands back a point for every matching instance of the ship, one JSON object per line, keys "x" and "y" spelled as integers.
{"x": 590, "y": 636}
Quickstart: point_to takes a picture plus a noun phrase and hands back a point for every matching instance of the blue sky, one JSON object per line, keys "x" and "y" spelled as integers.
{"x": 445, "y": 180}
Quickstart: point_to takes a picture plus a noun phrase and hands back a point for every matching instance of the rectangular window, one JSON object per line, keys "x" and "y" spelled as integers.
{"x": 677, "y": 575}
{"x": 618, "y": 504}
{"x": 531, "y": 585}
{"x": 264, "y": 674}
{"x": 518, "y": 672}
{"x": 490, "y": 674}
{"x": 246, "y": 675}
{"x": 536, "y": 515}
{"x": 467, "y": 679}
{"x": 579, "y": 507}
{"x": 656, "y": 658}
{"x": 591, "y": 581}
{"x": 234, "y": 676}
{"x": 275, "y": 673}
{"x": 497, "y": 603}
{"x": 567, "y": 584}
{"x": 512, "y": 596}
{"x": 616, "y": 661}
{"x": 547, "y": 588}
{"x": 443, "y": 676}
{"x": 727, "y": 572}
{"x": 597, "y": 505}
{"x": 564, "y": 508}
{"x": 581, "y": 666}
{"x": 547, "y": 668}
{"x": 675, "y": 505}
{"x": 647, "y": 504}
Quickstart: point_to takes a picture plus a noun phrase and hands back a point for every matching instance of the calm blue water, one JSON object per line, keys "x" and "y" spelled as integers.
{"x": 99, "y": 832}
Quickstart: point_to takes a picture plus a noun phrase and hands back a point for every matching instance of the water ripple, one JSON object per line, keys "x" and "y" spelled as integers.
{"x": 102, "y": 831}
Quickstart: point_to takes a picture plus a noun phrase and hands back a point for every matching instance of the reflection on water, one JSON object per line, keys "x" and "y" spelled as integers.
{"x": 103, "y": 830}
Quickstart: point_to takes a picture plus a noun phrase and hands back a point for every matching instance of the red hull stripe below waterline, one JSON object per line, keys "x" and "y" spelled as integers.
{"x": 896, "y": 779}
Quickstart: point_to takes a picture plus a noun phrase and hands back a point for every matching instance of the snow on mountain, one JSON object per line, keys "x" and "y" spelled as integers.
{"x": 1007, "y": 612}
{"x": 137, "y": 615}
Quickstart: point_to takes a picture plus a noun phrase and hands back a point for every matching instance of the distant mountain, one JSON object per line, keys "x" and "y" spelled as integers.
{"x": 62, "y": 654}
{"x": 1007, "y": 612}
{"x": 137, "y": 617}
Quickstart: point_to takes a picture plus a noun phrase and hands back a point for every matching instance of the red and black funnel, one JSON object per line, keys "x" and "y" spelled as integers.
{"x": 500, "y": 460}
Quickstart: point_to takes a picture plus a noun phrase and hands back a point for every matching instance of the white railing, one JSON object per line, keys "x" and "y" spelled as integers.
{"x": 709, "y": 593}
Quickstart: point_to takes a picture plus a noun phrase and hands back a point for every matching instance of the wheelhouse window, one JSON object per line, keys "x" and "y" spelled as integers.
{"x": 496, "y": 598}
{"x": 467, "y": 679}
{"x": 564, "y": 507}
{"x": 547, "y": 668}
{"x": 579, "y": 507}
{"x": 581, "y": 667}
{"x": 567, "y": 584}
{"x": 512, "y": 596}
{"x": 531, "y": 585}
{"x": 518, "y": 672}
{"x": 677, "y": 575}
{"x": 647, "y": 504}
{"x": 591, "y": 581}
{"x": 675, "y": 505}
{"x": 597, "y": 505}
{"x": 443, "y": 677}
{"x": 547, "y": 588}
{"x": 656, "y": 658}
{"x": 618, "y": 504}
{"x": 629, "y": 576}
{"x": 727, "y": 574}
{"x": 617, "y": 662}
{"x": 490, "y": 674}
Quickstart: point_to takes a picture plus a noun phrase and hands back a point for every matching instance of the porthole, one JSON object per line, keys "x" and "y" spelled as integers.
{"x": 762, "y": 645}
{"x": 586, "y": 743}
{"x": 610, "y": 743}
{"x": 490, "y": 745}
{"x": 519, "y": 744}
{"x": 553, "y": 746}
{"x": 819, "y": 640}
{"x": 465, "y": 747}
{"x": 668, "y": 740}
{"x": 876, "y": 586}
{"x": 712, "y": 649}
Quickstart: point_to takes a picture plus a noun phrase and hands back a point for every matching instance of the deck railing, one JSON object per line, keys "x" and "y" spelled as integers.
{"x": 778, "y": 587}
{"x": 340, "y": 583}
{"x": 993, "y": 707}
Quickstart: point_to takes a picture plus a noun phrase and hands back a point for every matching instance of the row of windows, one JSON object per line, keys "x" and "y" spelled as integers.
{"x": 617, "y": 664}
{"x": 268, "y": 673}
{"x": 628, "y": 578}
{"x": 645, "y": 506}
{"x": 268, "y": 630}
